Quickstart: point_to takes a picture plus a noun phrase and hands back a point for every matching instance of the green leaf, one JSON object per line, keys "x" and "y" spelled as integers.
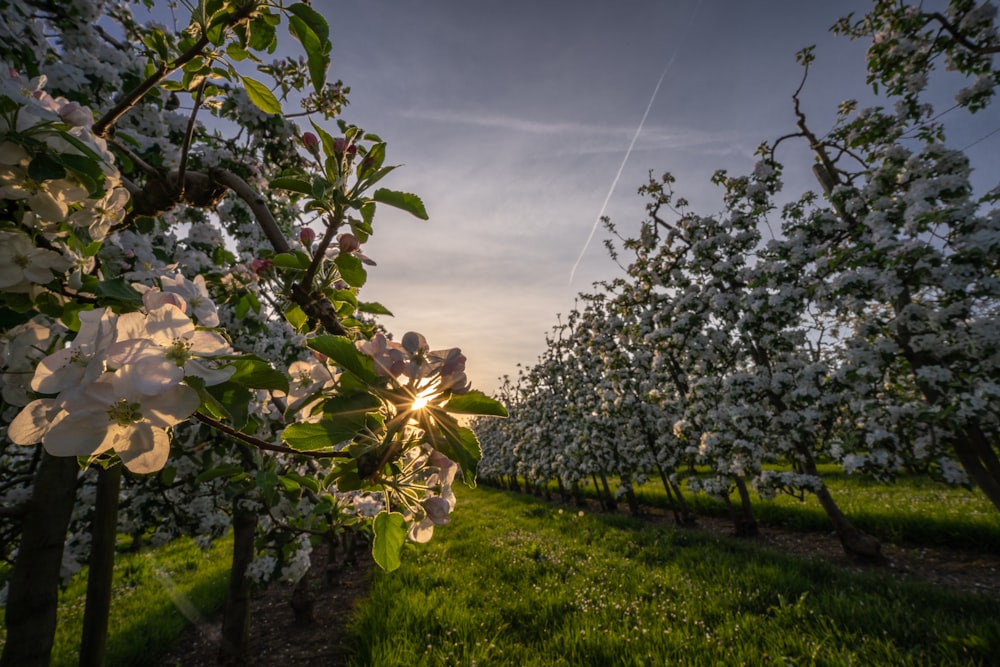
{"x": 309, "y": 482}
{"x": 156, "y": 41}
{"x": 390, "y": 535}
{"x": 292, "y": 183}
{"x": 373, "y": 308}
{"x": 117, "y": 291}
{"x": 236, "y": 52}
{"x": 458, "y": 443}
{"x": 258, "y": 374}
{"x": 373, "y": 160}
{"x": 324, "y": 434}
{"x": 262, "y": 35}
{"x": 43, "y": 167}
{"x": 374, "y": 178}
{"x": 312, "y": 18}
{"x": 291, "y": 260}
{"x": 234, "y": 399}
{"x": 325, "y": 138}
{"x": 242, "y": 307}
{"x": 71, "y": 314}
{"x": 402, "y": 200}
{"x": 261, "y": 96}
{"x": 354, "y": 408}
{"x": 317, "y": 50}
{"x": 297, "y": 317}
{"x": 475, "y": 403}
{"x": 290, "y": 484}
{"x": 227, "y": 470}
{"x": 351, "y": 269}
{"x": 342, "y": 352}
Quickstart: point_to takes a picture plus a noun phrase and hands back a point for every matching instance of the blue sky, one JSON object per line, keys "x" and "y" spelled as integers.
{"x": 512, "y": 119}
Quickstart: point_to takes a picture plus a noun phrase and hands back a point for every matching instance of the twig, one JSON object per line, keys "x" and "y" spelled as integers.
{"x": 188, "y": 137}
{"x": 102, "y": 126}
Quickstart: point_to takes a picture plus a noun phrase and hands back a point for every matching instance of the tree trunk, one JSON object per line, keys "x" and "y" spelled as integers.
{"x": 682, "y": 515}
{"x": 609, "y": 498}
{"x": 104, "y": 530}
{"x": 633, "y": 502}
{"x": 235, "y": 647}
{"x": 33, "y": 596}
{"x": 980, "y": 461}
{"x": 856, "y": 543}
{"x": 746, "y": 524}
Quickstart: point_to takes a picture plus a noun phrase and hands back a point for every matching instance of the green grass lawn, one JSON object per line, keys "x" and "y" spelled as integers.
{"x": 156, "y": 595}
{"x": 516, "y": 581}
{"x": 912, "y": 510}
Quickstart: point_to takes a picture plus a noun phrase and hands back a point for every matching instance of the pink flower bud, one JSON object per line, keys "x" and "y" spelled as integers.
{"x": 73, "y": 114}
{"x": 307, "y": 236}
{"x": 348, "y": 243}
{"x": 339, "y": 145}
{"x": 310, "y": 141}
{"x": 259, "y": 266}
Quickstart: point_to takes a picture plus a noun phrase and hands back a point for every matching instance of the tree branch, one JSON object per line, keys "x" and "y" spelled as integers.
{"x": 314, "y": 304}
{"x": 958, "y": 36}
{"x": 264, "y": 444}
{"x": 188, "y": 137}
{"x": 102, "y": 126}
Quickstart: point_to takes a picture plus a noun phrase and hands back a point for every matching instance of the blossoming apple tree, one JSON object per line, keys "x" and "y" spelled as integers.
{"x": 866, "y": 330}
{"x": 181, "y": 264}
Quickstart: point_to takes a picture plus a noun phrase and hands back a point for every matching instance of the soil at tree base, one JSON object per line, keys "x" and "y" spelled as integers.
{"x": 276, "y": 637}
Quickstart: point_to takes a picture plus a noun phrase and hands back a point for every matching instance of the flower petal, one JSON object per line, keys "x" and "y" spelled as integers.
{"x": 142, "y": 448}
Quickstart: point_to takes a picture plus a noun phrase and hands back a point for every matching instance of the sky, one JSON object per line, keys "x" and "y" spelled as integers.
{"x": 511, "y": 120}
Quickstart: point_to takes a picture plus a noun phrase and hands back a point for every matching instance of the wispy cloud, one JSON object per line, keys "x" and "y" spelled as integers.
{"x": 589, "y": 138}
{"x": 512, "y": 123}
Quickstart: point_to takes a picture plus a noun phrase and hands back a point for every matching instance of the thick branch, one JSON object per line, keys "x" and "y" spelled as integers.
{"x": 314, "y": 304}
{"x": 257, "y": 206}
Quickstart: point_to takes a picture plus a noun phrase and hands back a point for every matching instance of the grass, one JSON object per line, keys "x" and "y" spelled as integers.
{"x": 149, "y": 590}
{"x": 515, "y": 581}
{"x": 913, "y": 510}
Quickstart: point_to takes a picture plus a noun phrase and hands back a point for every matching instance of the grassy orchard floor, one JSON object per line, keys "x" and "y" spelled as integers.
{"x": 913, "y": 510}
{"x": 515, "y": 581}
{"x": 155, "y": 594}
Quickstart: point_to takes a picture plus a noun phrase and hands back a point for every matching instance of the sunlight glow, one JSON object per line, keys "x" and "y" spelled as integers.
{"x": 423, "y": 397}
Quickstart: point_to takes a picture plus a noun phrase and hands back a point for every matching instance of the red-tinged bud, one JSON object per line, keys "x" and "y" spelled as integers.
{"x": 259, "y": 266}
{"x": 339, "y": 145}
{"x": 307, "y": 236}
{"x": 310, "y": 141}
{"x": 348, "y": 243}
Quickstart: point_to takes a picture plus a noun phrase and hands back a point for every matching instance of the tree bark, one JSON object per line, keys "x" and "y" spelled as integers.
{"x": 235, "y": 647}
{"x": 33, "y": 596}
{"x": 104, "y": 531}
{"x": 746, "y": 524}
{"x": 857, "y": 544}
{"x": 609, "y": 498}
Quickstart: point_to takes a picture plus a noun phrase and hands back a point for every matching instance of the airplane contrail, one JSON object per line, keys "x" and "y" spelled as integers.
{"x": 628, "y": 152}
